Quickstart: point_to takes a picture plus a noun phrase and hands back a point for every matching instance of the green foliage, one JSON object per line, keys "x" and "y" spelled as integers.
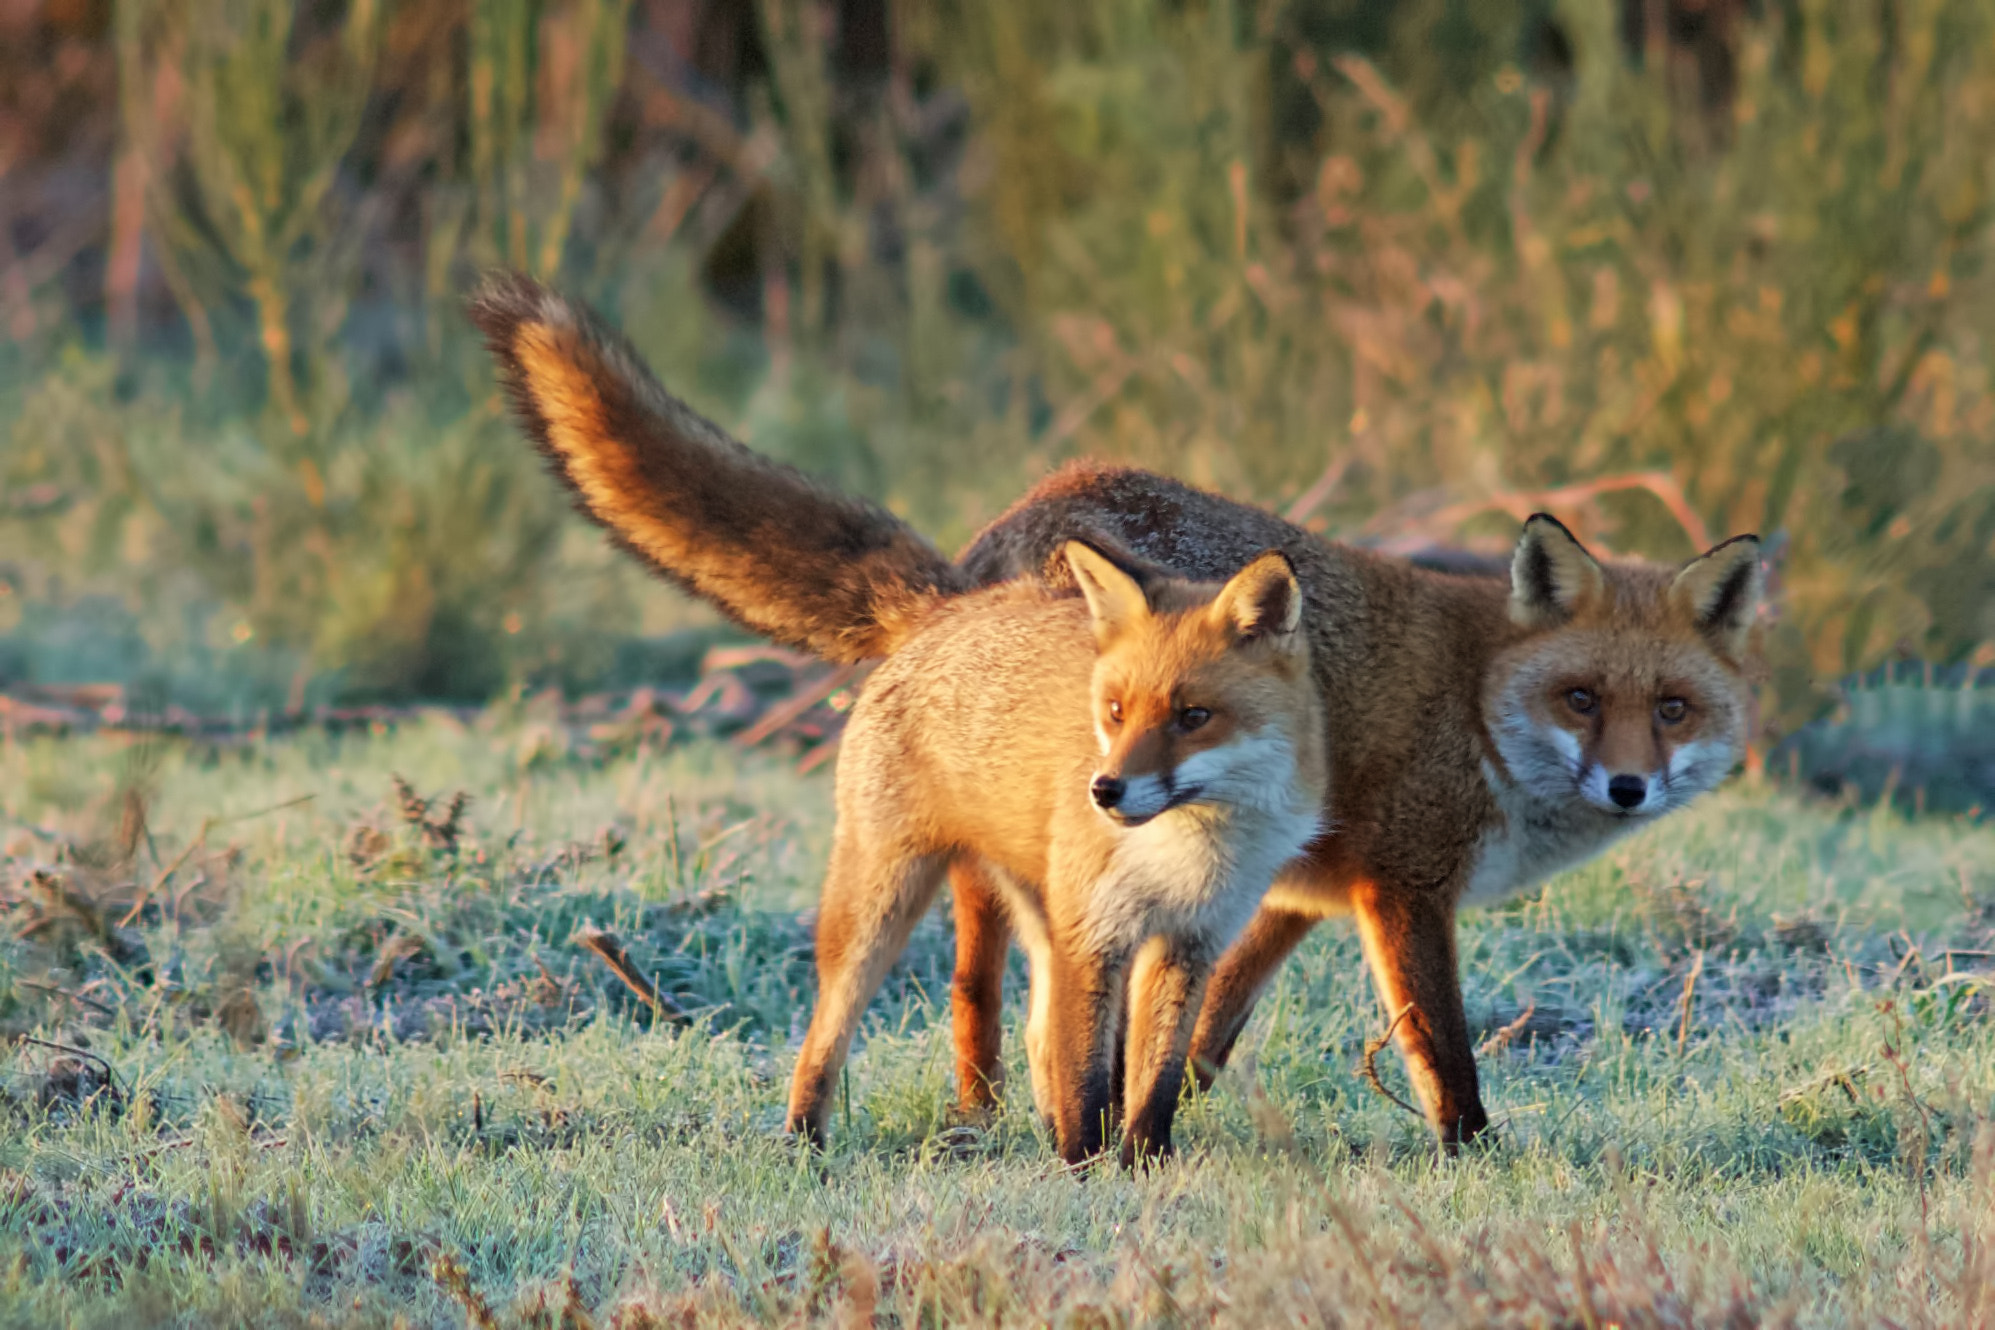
{"x": 1782, "y": 315}
{"x": 541, "y": 78}
{"x": 269, "y": 115}
{"x": 1392, "y": 257}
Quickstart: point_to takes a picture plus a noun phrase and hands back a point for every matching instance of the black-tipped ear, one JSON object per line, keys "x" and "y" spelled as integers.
{"x": 1115, "y": 598}
{"x": 1263, "y": 599}
{"x": 1551, "y": 575}
{"x": 1720, "y": 592}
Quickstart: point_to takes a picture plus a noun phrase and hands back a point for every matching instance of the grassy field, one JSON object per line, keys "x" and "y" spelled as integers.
{"x": 345, "y": 1064}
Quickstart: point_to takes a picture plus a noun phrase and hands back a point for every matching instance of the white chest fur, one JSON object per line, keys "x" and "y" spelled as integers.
{"x": 1195, "y": 870}
{"x": 1534, "y": 840}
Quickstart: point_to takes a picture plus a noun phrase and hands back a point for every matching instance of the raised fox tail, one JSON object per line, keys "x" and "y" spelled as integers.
{"x": 777, "y": 552}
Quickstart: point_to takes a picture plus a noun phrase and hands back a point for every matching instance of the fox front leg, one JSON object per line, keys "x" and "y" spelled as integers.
{"x": 1243, "y": 971}
{"x": 1409, "y": 940}
{"x": 1165, "y": 987}
{"x": 1085, "y": 993}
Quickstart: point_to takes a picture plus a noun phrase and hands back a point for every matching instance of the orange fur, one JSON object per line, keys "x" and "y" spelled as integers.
{"x": 774, "y": 549}
{"x": 990, "y": 741}
{"x": 1487, "y": 731}
{"x": 1461, "y": 768}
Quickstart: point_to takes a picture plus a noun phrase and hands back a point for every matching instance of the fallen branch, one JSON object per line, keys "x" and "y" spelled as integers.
{"x": 610, "y": 949}
{"x": 111, "y": 1077}
{"x": 794, "y": 706}
{"x": 1368, "y": 1069}
{"x": 1321, "y": 489}
{"x": 1499, "y": 1040}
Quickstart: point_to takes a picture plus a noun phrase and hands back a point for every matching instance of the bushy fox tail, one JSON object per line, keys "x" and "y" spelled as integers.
{"x": 779, "y": 553}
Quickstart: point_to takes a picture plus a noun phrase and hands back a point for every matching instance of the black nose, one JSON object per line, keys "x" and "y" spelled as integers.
{"x": 1107, "y": 791}
{"x": 1627, "y": 791}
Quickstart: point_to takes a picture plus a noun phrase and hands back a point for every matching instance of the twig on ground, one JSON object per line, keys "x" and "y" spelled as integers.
{"x": 159, "y": 882}
{"x": 1499, "y": 1040}
{"x": 1369, "y": 1067}
{"x": 110, "y": 1072}
{"x": 78, "y": 998}
{"x": 1912, "y": 953}
{"x": 610, "y": 949}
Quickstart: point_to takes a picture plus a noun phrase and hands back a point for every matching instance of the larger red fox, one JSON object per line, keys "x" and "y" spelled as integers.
{"x": 1486, "y": 734}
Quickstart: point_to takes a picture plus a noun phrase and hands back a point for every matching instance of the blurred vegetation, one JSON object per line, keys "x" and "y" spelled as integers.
{"x": 1428, "y": 264}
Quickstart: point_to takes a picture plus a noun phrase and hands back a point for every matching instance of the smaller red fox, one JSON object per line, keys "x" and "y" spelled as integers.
{"x": 1130, "y": 769}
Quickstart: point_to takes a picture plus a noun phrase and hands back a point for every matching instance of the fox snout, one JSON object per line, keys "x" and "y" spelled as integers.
{"x": 1611, "y": 786}
{"x": 1628, "y": 792}
{"x": 1131, "y": 801}
{"x": 1107, "y": 792}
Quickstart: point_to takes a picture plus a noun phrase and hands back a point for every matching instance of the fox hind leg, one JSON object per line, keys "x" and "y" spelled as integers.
{"x": 976, "y": 999}
{"x": 872, "y": 899}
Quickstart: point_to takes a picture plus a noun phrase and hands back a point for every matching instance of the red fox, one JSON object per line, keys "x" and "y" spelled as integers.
{"x": 1127, "y": 771}
{"x": 1130, "y": 775}
{"x": 1486, "y": 733}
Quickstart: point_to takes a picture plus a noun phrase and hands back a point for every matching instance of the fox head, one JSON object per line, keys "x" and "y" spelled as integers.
{"x": 1201, "y": 694}
{"x": 1628, "y": 690}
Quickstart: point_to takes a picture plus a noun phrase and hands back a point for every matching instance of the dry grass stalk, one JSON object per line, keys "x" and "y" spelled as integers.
{"x": 1684, "y": 1002}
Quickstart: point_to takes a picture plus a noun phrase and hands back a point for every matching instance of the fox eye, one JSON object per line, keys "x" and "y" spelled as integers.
{"x": 1115, "y": 710}
{"x": 1192, "y": 717}
{"x": 1582, "y": 701}
{"x": 1671, "y": 710}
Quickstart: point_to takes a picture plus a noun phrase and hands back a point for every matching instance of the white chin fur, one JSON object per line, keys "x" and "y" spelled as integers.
{"x": 1142, "y": 797}
{"x": 1255, "y": 771}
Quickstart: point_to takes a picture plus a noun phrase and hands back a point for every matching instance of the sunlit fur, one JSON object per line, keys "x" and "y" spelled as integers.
{"x": 1453, "y": 779}
{"x": 979, "y": 740}
{"x": 1634, "y": 672}
{"x": 1460, "y": 772}
{"x": 772, "y": 548}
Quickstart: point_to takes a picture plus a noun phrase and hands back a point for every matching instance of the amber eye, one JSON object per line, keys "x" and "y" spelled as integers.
{"x": 1672, "y": 710}
{"x": 1192, "y": 717}
{"x": 1115, "y": 710}
{"x": 1582, "y": 701}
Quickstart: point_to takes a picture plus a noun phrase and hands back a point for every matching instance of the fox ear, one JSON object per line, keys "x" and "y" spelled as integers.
{"x": 1551, "y": 575}
{"x": 1721, "y": 591}
{"x": 1263, "y": 599}
{"x": 1115, "y": 598}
